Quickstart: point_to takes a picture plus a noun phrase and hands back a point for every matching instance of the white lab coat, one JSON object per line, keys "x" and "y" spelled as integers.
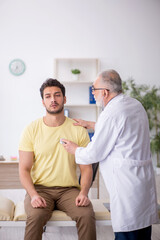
{"x": 121, "y": 145}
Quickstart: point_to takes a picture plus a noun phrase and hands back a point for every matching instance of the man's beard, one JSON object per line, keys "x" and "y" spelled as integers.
{"x": 55, "y": 112}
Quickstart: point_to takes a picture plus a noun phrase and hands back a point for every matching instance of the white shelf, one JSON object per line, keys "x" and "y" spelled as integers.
{"x": 89, "y": 68}
{"x": 78, "y": 92}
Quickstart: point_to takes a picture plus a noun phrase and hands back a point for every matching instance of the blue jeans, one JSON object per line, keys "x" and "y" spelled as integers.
{"x": 140, "y": 234}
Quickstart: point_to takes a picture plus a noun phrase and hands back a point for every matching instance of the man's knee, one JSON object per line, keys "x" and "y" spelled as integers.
{"x": 37, "y": 217}
{"x": 86, "y": 214}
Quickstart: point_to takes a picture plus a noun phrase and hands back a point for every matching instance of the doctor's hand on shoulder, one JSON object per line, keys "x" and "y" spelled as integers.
{"x": 84, "y": 123}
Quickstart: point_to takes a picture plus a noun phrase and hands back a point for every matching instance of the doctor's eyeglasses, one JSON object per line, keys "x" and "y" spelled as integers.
{"x": 94, "y": 89}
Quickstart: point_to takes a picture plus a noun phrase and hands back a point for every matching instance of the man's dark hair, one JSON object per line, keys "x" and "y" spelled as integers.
{"x": 50, "y": 82}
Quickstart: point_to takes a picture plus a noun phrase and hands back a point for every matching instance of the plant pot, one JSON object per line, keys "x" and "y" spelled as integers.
{"x": 75, "y": 77}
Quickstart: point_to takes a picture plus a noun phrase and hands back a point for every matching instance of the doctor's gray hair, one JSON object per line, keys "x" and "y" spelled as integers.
{"x": 111, "y": 79}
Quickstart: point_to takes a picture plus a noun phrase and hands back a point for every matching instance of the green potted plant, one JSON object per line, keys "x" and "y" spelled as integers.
{"x": 150, "y": 99}
{"x": 75, "y": 74}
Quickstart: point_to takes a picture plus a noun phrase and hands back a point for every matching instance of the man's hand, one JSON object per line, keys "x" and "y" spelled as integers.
{"x": 38, "y": 202}
{"x": 82, "y": 200}
{"x": 69, "y": 146}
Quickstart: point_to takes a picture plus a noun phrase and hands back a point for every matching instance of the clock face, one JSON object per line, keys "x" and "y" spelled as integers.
{"x": 17, "y": 67}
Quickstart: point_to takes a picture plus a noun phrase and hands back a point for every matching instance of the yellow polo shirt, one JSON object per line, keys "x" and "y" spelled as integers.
{"x": 53, "y": 166}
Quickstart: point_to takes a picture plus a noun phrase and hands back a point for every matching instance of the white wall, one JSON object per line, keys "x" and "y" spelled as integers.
{"x": 124, "y": 34}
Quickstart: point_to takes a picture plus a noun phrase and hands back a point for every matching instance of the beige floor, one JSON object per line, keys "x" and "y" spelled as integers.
{"x": 70, "y": 233}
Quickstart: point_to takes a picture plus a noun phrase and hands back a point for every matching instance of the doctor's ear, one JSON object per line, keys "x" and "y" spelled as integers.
{"x": 106, "y": 93}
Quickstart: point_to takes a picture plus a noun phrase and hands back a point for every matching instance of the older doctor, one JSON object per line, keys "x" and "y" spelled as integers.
{"x": 121, "y": 144}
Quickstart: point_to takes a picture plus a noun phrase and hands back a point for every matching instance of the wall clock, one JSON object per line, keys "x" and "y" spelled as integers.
{"x": 17, "y": 67}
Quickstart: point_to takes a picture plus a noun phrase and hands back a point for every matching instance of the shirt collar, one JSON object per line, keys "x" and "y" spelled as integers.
{"x": 115, "y": 99}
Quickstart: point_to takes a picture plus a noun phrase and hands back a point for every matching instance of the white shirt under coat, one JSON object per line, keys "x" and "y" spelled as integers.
{"x": 121, "y": 144}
